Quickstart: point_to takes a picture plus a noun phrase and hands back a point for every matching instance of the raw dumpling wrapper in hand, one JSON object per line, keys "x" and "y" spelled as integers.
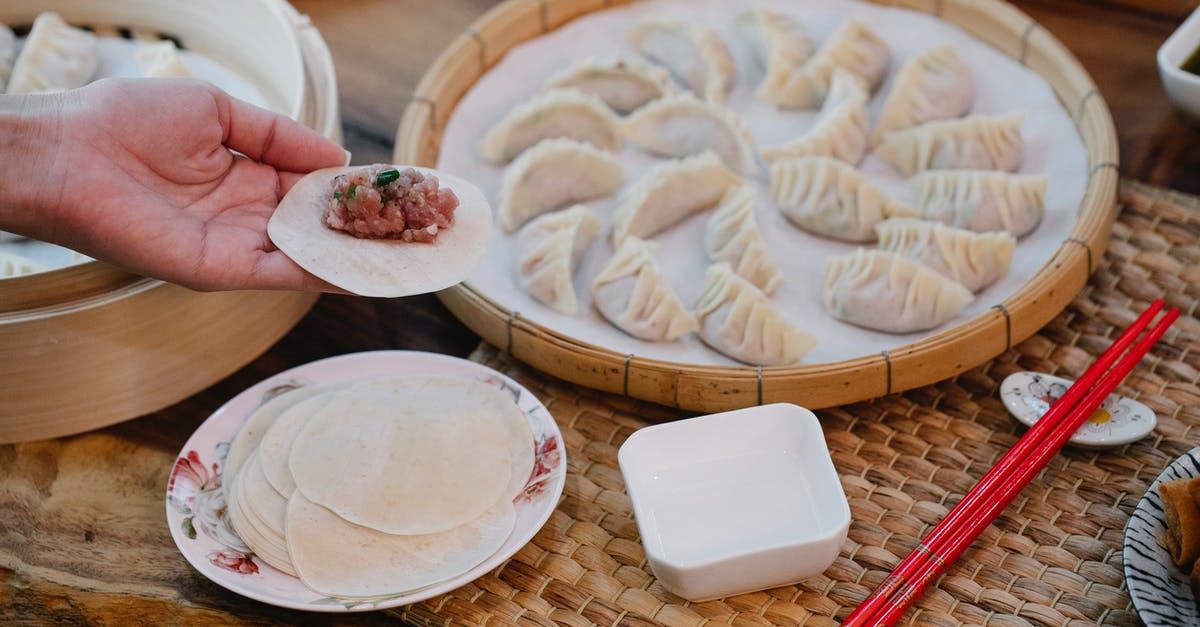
{"x": 974, "y": 259}
{"x": 568, "y": 113}
{"x": 549, "y": 249}
{"x": 827, "y": 197}
{"x": 738, "y": 320}
{"x": 886, "y": 292}
{"x": 682, "y": 125}
{"x": 552, "y": 175}
{"x": 695, "y": 54}
{"x": 632, "y": 293}
{"x": 841, "y": 129}
{"x": 981, "y": 200}
{"x": 732, "y": 236}
{"x": 670, "y": 192}
{"x": 974, "y": 143}
{"x": 55, "y": 57}
{"x": 934, "y": 85}
{"x": 622, "y": 85}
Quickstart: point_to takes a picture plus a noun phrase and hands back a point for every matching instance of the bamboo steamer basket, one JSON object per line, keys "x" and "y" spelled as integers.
{"x": 89, "y": 345}
{"x": 719, "y": 388}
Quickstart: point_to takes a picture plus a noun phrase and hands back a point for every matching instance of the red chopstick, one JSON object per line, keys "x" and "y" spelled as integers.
{"x": 998, "y": 475}
{"x": 937, "y": 563}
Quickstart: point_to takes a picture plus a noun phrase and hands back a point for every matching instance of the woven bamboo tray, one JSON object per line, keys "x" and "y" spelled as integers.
{"x": 714, "y": 388}
{"x": 88, "y": 345}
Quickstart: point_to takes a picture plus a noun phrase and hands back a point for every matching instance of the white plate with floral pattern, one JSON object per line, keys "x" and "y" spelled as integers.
{"x": 1118, "y": 420}
{"x": 196, "y": 500}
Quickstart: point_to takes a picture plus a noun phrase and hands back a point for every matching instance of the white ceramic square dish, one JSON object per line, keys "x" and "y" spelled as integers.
{"x": 1183, "y": 87}
{"x": 734, "y": 502}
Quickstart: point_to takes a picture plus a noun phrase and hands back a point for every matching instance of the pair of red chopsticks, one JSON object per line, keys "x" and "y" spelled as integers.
{"x": 951, "y": 537}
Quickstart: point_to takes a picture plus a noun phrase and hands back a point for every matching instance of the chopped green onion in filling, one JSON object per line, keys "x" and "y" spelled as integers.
{"x": 353, "y": 188}
{"x": 387, "y": 176}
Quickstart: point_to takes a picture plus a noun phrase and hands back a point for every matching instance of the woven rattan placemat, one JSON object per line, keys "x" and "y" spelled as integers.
{"x": 1052, "y": 558}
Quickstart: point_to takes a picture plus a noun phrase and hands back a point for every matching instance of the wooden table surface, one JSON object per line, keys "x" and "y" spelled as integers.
{"x": 90, "y": 562}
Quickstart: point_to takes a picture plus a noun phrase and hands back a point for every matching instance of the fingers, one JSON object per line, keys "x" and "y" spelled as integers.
{"x": 274, "y": 139}
{"x": 276, "y": 271}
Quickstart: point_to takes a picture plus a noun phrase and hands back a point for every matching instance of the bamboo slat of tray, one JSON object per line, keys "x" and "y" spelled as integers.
{"x": 710, "y": 388}
{"x": 1052, "y": 558}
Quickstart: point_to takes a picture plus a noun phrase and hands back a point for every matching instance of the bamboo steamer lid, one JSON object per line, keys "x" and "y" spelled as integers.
{"x": 90, "y": 345}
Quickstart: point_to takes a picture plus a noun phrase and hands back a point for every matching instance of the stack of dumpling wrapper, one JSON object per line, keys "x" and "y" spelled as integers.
{"x": 380, "y": 487}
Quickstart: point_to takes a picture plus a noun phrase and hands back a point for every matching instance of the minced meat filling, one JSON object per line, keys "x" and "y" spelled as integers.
{"x": 381, "y": 202}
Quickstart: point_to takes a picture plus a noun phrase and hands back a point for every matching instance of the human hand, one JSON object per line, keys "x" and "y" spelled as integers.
{"x": 144, "y": 176}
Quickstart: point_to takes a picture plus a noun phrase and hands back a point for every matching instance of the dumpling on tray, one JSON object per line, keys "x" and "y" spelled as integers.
{"x": 683, "y": 125}
{"x": 694, "y": 54}
{"x": 853, "y": 47}
{"x": 981, "y": 200}
{"x": 160, "y": 59}
{"x": 934, "y": 85}
{"x": 780, "y": 45}
{"x": 12, "y": 265}
{"x": 549, "y": 249}
{"x": 732, "y": 236}
{"x": 830, "y": 198}
{"x": 632, "y": 293}
{"x": 552, "y": 175}
{"x": 973, "y": 143}
{"x": 670, "y": 192}
{"x": 883, "y": 291}
{"x": 8, "y": 54}
{"x": 841, "y": 128}
{"x": 974, "y": 259}
{"x": 622, "y": 85}
{"x": 566, "y": 113}
{"x": 56, "y": 57}
{"x": 738, "y": 320}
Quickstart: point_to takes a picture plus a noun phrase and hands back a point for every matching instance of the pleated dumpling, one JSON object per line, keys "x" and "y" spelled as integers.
{"x": 55, "y": 57}
{"x": 553, "y": 174}
{"x": 549, "y": 249}
{"x": 15, "y": 265}
{"x": 622, "y": 85}
{"x": 934, "y": 85}
{"x": 568, "y": 113}
{"x": 160, "y": 59}
{"x": 974, "y": 259}
{"x": 780, "y": 45}
{"x": 841, "y": 128}
{"x": 632, "y": 293}
{"x": 827, "y": 197}
{"x": 739, "y": 321}
{"x": 732, "y": 236}
{"x": 8, "y": 54}
{"x": 981, "y": 201}
{"x": 694, "y": 54}
{"x": 973, "y": 143}
{"x": 853, "y": 47}
{"x": 670, "y": 192}
{"x": 682, "y": 125}
{"x": 883, "y": 291}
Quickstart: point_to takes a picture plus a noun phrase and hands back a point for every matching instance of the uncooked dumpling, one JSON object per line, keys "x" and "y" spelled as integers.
{"x": 732, "y": 236}
{"x": 623, "y": 85}
{"x": 568, "y": 113}
{"x": 934, "y": 85}
{"x": 670, "y": 192}
{"x": 738, "y": 320}
{"x": 15, "y": 265}
{"x": 883, "y": 291}
{"x": 841, "y": 129}
{"x": 853, "y": 47}
{"x": 632, "y": 293}
{"x": 780, "y": 45}
{"x": 695, "y": 54}
{"x": 160, "y": 59}
{"x": 555, "y": 174}
{"x": 973, "y": 143}
{"x": 974, "y": 259}
{"x": 55, "y": 57}
{"x": 981, "y": 200}
{"x": 682, "y": 125}
{"x": 549, "y": 249}
{"x": 827, "y": 197}
{"x": 8, "y": 54}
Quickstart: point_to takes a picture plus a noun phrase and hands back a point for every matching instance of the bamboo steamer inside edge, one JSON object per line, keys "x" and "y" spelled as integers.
{"x": 90, "y": 345}
{"x": 719, "y": 388}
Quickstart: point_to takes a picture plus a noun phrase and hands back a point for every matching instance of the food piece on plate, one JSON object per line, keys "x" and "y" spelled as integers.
{"x": 632, "y": 293}
{"x": 694, "y": 54}
{"x": 977, "y": 142}
{"x": 732, "y": 236}
{"x": 55, "y": 57}
{"x": 841, "y": 129}
{"x": 981, "y": 200}
{"x": 337, "y": 558}
{"x": 623, "y": 85}
{"x": 8, "y": 54}
{"x": 883, "y": 291}
{"x": 830, "y": 198}
{"x": 568, "y": 113}
{"x": 934, "y": 85}
{"x": 554, "y": 174}
{"x": 780, "y": 44}
{"x": 683, "y": 125}
{"x": 358, "y": 252}
{"x": 974, "y": 259}
{"x": 853, "y": 47}
{"x": 670, "y": 192}
{"x": 276, "y": 446}
{"x": 15, "y": 265}
{"x": 160, "y": 59}
{"x": 251, "y": 433}
{"x": 549, "y": 249}
{"x": 738, "y": 320}
{"x": 1182, "y": 515}
{"x": 266, "y": 544}
{"x": 410, "y": 456}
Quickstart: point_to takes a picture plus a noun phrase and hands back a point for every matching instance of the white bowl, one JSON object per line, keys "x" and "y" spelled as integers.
{"x": 735, "y": 502}
{"x": 1183, "y": 88}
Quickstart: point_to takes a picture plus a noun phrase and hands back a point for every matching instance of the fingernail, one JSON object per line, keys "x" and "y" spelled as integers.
{"x": 348, "y": 157}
